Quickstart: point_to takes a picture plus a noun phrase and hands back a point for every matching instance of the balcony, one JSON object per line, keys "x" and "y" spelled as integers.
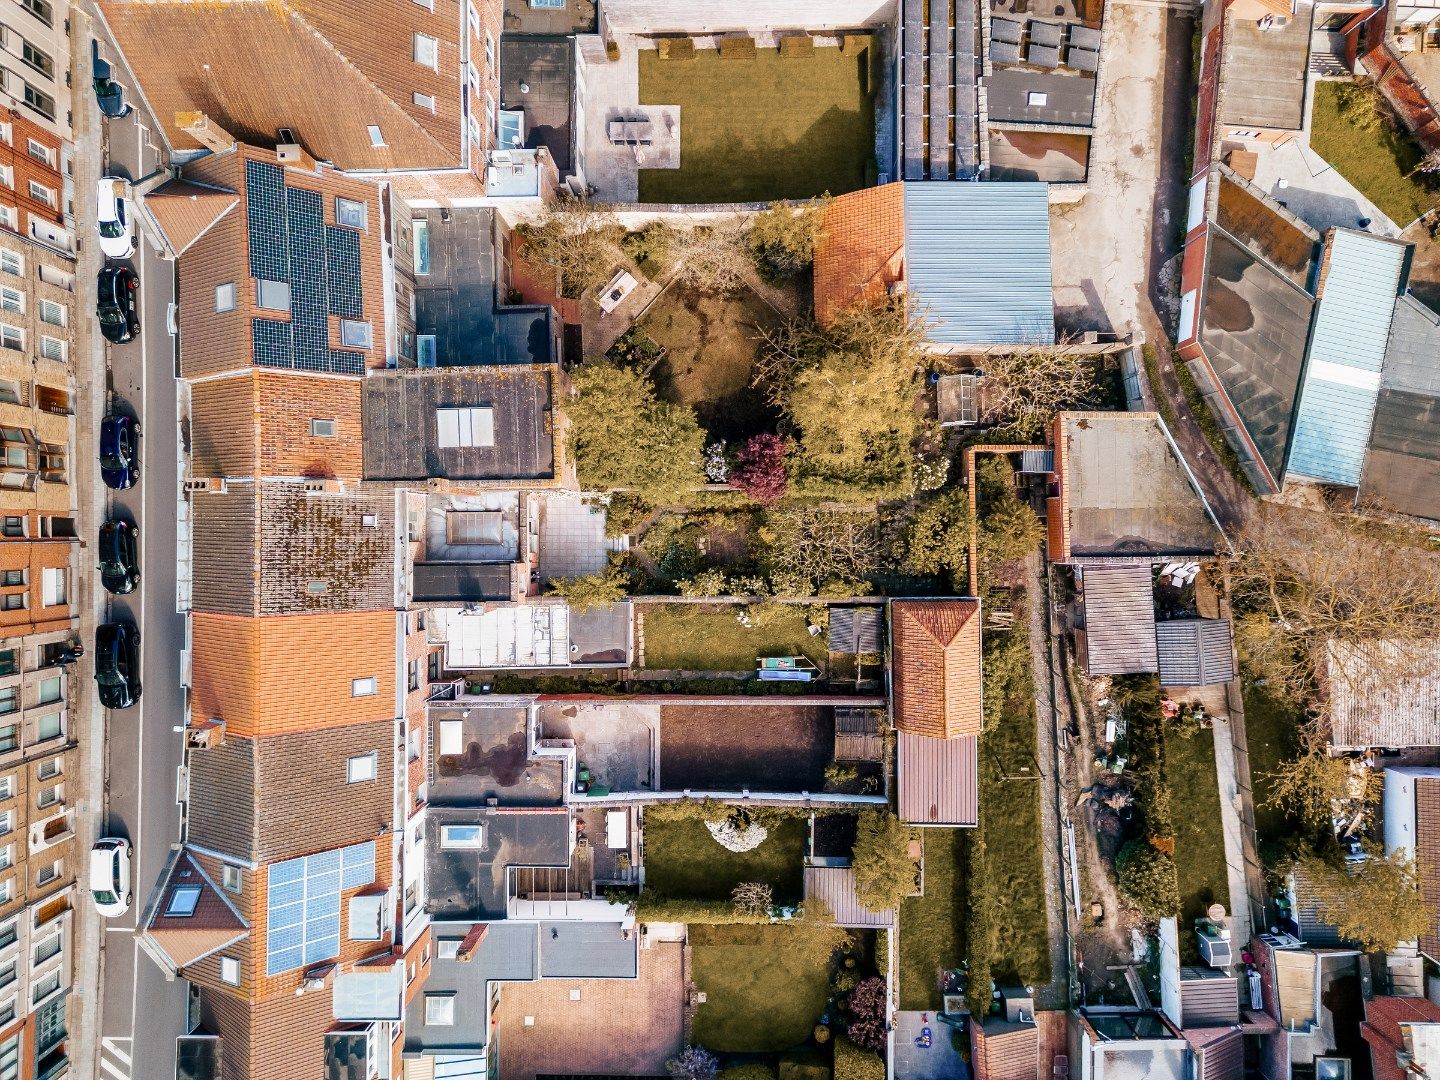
{"x": 51, "y": 831}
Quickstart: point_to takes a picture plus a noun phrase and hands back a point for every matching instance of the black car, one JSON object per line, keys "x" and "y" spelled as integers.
{"x": 119, "y": 451}
{"x": 109, "y": 93}
{"x": 119, "y": 317}
{"x": 119, "y": 561}
{"x": 117, "y": 664}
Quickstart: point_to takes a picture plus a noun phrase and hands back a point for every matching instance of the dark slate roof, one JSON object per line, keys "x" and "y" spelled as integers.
{"x": 1255, "y": 323}
{"x": 1069, "y": 99}
{"x": 494, "y": 760}
{"x": 438, "y": 582}
{"x": 473, "y": 884}
{"x": 401, "y": 437}
{"x": 509, "y": 952}
{"x": 545, "y": 67}
{"x": 1208, "y": 998}
{"x": 1402, "y": 468}
{"x": 1195, "y": 652}
{"x": 1119, "y": 620}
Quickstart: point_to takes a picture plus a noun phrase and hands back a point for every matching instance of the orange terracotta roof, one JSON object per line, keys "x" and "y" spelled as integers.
{"x": 861, "y": 250}
{"x": 214, "y": 924}
{"x": 936, "y": 646}
{"x": 1383, "y": 1017}
{"x": 185, "y": 211}
{"x": 255, "y": 66}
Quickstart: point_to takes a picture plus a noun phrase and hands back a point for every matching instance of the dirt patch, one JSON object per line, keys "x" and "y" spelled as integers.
{"x": 1425, "y": 269}
{"x": 734, "y": 746}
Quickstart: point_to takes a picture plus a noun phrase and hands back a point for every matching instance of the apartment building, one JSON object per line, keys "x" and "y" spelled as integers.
{"x": 35, "y": 63}
{"x": 35, "y": 193}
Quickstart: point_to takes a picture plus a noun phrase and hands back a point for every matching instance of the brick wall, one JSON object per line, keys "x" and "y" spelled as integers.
{"x": 42, "y": 167}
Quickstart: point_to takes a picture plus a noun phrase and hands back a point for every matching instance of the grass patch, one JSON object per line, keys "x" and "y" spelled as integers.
{"x": 1200, "y": 867}
{"x": 1354, "y": 129}
{"x": 763, "y": 990}
{"x": 711, "y": 344}
{"x": 932, "y": 935}
{"x": 1209, "y": 426}
{"x": 693, "y": 637}
{"x": 1010, "y": 812}
{"x": 1271, "y": 727}
{"x": 683, "y": 861}
{"x": 763, "y": 128}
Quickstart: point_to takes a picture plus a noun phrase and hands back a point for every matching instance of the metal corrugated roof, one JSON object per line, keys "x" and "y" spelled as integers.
{"x": 1195, "y": 652}
{"x": 1384, "y": 693}
{"x": 977, "y": 261}
{"x": 1119, "y": 620}
{"x": 939, "y": 780}
{"x": 836, "y": 886}
{"x": 1347, "y": 350}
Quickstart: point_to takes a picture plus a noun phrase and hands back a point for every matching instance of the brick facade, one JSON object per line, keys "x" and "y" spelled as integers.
{"x": 29, "y": 154}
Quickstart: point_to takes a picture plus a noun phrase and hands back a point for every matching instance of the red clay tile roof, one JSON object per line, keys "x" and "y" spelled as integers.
{"x": 936, "y": 647}
{"x": 861, "y": 251}
{"x": 186, "y": 939}
{"x": 1383, "y": 1017}
{"x": 184, "y": 211}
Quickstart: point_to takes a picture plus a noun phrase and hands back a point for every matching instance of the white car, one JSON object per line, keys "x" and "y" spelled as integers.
{"x": 110, "y": 876}
{"x": 117, "y": 226}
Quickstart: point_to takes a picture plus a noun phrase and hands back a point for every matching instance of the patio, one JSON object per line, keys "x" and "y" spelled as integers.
{"x": 617, "y": 740}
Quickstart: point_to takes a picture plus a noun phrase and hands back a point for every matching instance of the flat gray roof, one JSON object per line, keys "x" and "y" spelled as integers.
{"x": 509, "y": 952}
{"x": 588, "y": 950}
{"x": 1402, "y": 467}
{"x": 472, "y": 884}
{"x": 1063, "y": 99}
{"x": 494, "y": 760}
{"x": 1264, "y": 71}
{"x": 438, "y": 582}
{"x": 545, "y": 67}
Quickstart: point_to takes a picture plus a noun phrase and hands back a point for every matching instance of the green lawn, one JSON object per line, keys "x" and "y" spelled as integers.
{"x": 1271, "y": 728}
{"x": 1374, "y": 156}
{"x": 1010, "y": 812}
{"x": 683, "y": 861}
{"x": 932, "y": 927}
{"x": 762, "y": 991}
{"x": 693, "y": 637}
{"x": 1200, "y": 868}
{"x": 768, "y": 127}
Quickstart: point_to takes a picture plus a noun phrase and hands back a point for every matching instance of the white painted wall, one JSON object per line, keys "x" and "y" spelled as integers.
{"x": 711, "y": 16}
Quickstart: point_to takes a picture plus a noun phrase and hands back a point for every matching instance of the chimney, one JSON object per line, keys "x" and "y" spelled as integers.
{"x": 205, "y": 131}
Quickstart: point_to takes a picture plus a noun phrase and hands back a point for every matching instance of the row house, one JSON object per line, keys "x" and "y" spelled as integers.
{"x": 35, "y": 64}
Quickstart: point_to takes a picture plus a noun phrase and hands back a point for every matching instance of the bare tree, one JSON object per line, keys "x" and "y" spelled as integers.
{"x": 1315, "y": 785}
{"x": 1022, "y": 390}
{"x": 811, "y": 547}
{"x": 579, "y": 240}
{"x": 713, "y": 258}
{"x": 752, "y": 898}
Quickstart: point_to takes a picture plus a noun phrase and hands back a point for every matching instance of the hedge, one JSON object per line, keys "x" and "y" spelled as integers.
{"x": 852, "y": 1063}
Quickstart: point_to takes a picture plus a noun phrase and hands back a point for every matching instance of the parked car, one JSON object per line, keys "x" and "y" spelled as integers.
{"x": 116, "y": 225}
{"x": 119, "y": 451}
{"x": 116, "y": 309}
{"x": 117, "y": 664}
{"x": 119, "y": 558}
{"x": 109, "y": 93}
{"x": 110, "y": 876}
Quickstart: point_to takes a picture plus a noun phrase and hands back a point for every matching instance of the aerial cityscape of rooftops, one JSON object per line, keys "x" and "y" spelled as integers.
{"x": 720, "y": 539}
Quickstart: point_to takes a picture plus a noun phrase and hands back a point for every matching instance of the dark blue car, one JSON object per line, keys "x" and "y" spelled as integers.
{"x": 117, "y": 664}
{"x": 119, "y": 451}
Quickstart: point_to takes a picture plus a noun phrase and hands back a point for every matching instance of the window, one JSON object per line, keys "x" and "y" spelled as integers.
{"x": 48, "y": 874}
{"x": 440, "y": 1010}
{"x": 50, "y": 796}
{"x": 51, "y": 946}
{"x": 474, "y": 16}
{"x": 350, "y": 212}
{"x": 230, "y": 878}
{"x": 354, "y": 334}
{"x": 51, "y": 690}
{"x": 183, "y": 901}
{"x": 7, "y": 176}
{"x": 447, "y": 948}
{"x": 7, "y": 822}
{"x": 52, "y": 348}
{"x": 40, "y": 101}
{"x": 52, "y": 471}
{"x": 322, "y": 429}
{"x": 52, "y": 313}
{"x": 549, "y": 5}
{"x": 272, "y": 295}
{"x": 40, "y": 193}
{"x": 421, "y": 228}
{"x": 11, "y": 263}
{"x": 225, "y": 297}
{"x": 428, "y": 5}
{"x": 366, "y": 687}
{"x": 13, "y": 526}
{"x": 432, "y": 667}
{"x": 7, "y": 974}
{"x": 427, "y": 50}
{"x": 40, "y": 9}
{"x": 7, "y": 790}
{"x": 425, "y": 350}
{"x": 423, "y": 101}
{"x": 9, "y": 933}
{"x": 12, "y": 337}
{"x": 50, "y": 767}
{"x": 462, "y": 837}
{"x": 414, "y": 744}
{"x": 49, "y": 726}
{"x": 362, "y": 767}
{"x": 412, "y": 675}
{"x": 41, "y": 62}
{"x": 7, "y": 856}
{"x": 377, "y": 140}
{"x": 1035, "y": 99}
{"x": 7, "y": 893}
{"x": 10, "y": 218}
{"x": 11, "y": 299}
{"x": 489, "y": 50}
{"x": 9, "y": 699}
{"x": 230, "y": 970}
{"x": 13, "y": 602}
{"x": 14, "y": 577}
{"x": 465, "y": 426}
{"x": 369, "y": 521}
{"x": 45, "y": 987}
{"x": 38, "y": 150}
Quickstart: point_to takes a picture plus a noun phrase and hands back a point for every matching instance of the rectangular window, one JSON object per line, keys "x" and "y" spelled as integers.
{"x": 14, "y": 577}
{"x": 474, "y": 16}
{"x": 421, "y": 228}
{"x": 462, "y": 837}
{"x": 225, "y": 297}
{"x": 7, "y": 856}
{"x": 40, "y": 9}
{"x": 272, "y": 295}
{"x": 49, "y": 796}
{"x": 366, "y": 687}
{"x": 42, "y": 194}
{"x": 7, "y": 822}
{"x": 11, "y": 299}
{"x": 11, "y": 263}
{"x": 7, "y": 176}
{"x": 230, "y": 878}
{"x": 428, "y": 5}
{"x": 52, "y": 313}
{"x": 45, "y": 987}
{"x": 12, "y": 337}
{"x": 489, "y": 51}
{"x": 440, "y": 1010}
{"x": 51, "y": 946}
{"x": 10, "y": 218}
{"x": 7, "y": 791}
{"x": 7, "y": 893}
{"x": 377, "y": 139}
{"x": 52, "y": 587}
{"x": 230, "y": 970}
{"x": 7, "y": 974}
{"x": 423, "y": 101}
{"x": 52, "y": 471}
{"x": 9, "y": 661}
{"x": 13, "y": 602}
{"x": 13, "y": 526}
{"x": 46, "y": 875}
{"x": 350, "y": 212}
{"x": 447, "y": 948}
{"x": 354, "y": 334}
{"x": 426, "y": 50}
{"x": 49, "y": 726}
{"x": 183, "y": 901}
{"x": 465, "y": 426}
{"x": 412, "y": 675}
{"x": 425, "y": 350}
{"x": 50, "y": 767}
{"x": 51, "y": 690}
{"x": 40, "y": 101}
{"x": 39, "y": 151}
{"x": 9, "y": 699}
{"x": 9, "y": 933}
{"x": 322, "y": 429}
{"x": 52, "y": 348}
{"x": 362, "y": 767}
{"x": 9, "y": 740}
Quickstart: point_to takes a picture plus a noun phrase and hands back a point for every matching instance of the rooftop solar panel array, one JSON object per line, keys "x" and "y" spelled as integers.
{"x": 938, "y": 137}
{"x": 290, "y": 242}
{"x": 303, "y": 905}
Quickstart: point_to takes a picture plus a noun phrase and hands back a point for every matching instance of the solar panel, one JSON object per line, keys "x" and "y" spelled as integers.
{"x": 265, "y": 218}
{"x": 271, "y": 343}
{"x": 303, "y": 905}
{"x": 342, "y": 264}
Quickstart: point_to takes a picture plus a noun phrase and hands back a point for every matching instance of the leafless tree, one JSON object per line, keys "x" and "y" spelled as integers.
{"x": 579, "y": 240}
{"x": 1313, "y": 785}
{"x": 1022, "y": 390}
{"x": 752, "y": 898}
{"x": 713, "y": 258}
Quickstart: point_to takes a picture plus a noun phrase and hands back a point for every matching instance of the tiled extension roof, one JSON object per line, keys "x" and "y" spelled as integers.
{"x": 313, "y": 66}
{"x": 214, "y": 924}
{"x": 1382, "y": 1030}
{"x": 936, "y": 666}
{"x": 861, "y": 251}
{"x": 185, "y": 211}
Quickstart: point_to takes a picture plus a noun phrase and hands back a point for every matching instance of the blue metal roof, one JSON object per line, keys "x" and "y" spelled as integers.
{"x": 1347, "y": 350}
{"x": 977, "y": 261}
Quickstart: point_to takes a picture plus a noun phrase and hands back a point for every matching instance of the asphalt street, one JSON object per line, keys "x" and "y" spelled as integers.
{"x": 142, "y": 1013}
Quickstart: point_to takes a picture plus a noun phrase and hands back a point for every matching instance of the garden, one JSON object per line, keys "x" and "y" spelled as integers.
{"x": 684, "y": 861}
{"x": 724, "y": 637}
{"x": 932, "y": 926}
{"x": 762, "y": 124}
